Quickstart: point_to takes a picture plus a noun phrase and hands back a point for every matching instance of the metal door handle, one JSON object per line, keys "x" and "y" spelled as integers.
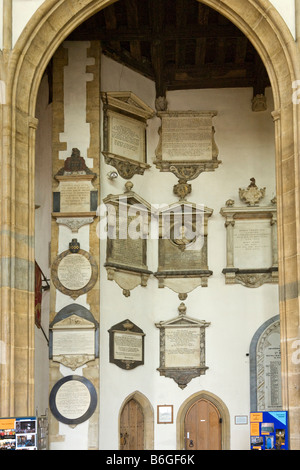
{"x": 123, "y": 438}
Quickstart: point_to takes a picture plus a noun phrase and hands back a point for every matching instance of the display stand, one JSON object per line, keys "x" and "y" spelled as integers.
{"x": 24, "y": 433}
{"x": 269, "y": 430}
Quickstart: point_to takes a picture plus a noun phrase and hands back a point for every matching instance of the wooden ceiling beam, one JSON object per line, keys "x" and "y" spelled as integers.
{"x": 180, "y": 24}
{"x": 133, "y": 21}
{"x": 156, "y": 15}
{"x": 206, "y": 83}
{"x": 111, "y": 24}
{"x": 148, "y": 34}
{"x": 123, "y": 57}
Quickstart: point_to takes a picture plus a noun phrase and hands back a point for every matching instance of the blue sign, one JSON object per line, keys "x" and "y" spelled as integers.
{"x": 269, "y": 430}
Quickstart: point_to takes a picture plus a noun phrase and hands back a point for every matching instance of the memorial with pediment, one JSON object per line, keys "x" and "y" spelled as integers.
{"x": 182, "y": 247}
{"x": 251, "y": 239}
{"x": 182, "y": 348}
{"x": 125, "y": 122}
{"x": 75, "y": 200}
{"x": 73, "y": 339}
{"x": 128, "y": 217}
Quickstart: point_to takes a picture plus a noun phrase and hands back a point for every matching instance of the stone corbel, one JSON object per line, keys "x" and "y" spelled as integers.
{"x": 125, "y": 167}
{"x": 127, "y": 278}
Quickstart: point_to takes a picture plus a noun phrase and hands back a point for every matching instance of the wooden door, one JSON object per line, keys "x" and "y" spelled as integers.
{"x": 202, "y": 427}
{"x": 132, "y": 427}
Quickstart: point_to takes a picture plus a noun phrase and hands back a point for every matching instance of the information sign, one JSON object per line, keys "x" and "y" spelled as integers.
{"x": 23, "y": 433}
{"x": 269, "y": 430}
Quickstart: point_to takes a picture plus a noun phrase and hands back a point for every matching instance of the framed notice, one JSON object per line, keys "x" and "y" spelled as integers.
{"x": 164, "y": 414}
{"x": 126, "y": 345}
{"x": 73, "y": 399}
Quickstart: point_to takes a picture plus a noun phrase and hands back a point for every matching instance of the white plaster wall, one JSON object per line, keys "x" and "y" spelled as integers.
{"x": 23, "y": 10}
{"x": 246, "y": 143}
{"x": 76, "y": 134}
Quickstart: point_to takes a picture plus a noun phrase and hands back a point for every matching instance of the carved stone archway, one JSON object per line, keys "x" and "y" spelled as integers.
{"x": 21, "y": 71}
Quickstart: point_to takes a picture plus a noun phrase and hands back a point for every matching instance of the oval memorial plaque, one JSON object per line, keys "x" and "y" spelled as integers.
{"x": 74, "y": 274}
{"x": 74, "y": 271}
{"x": 73, "y": 399}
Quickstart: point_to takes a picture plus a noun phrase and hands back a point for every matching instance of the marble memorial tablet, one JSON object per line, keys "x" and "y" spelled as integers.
{"x": 75, "y": 196}
{"x": 182, "y": 348}
{"x": 75, "y": 271}
{"x": 186, "y": 136}
{"x": 73, "y": 337}
{"x": 269, "y": 369}
{"x": 73, "y": 400}
{"x": 126, "y": 345}
{"x": 75, "y": 342}
{"x": 126, "y": 137}
{"x": 252, "y": 244}
{"x": 187, "y": 146}
{"x": 251, "y": 239}
{"x": 75, "y": 200}
{"x": 124, "y": 131}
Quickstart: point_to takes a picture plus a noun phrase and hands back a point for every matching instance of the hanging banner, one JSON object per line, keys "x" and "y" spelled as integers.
{"x": 269, "y": 430}
{"x": 38, "y": 295}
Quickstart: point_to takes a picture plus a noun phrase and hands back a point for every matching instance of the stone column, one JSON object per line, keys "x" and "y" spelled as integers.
{"x": 16, "y": 255}
{"x": 7, "y": 25}
{"x": 229, "y": 224}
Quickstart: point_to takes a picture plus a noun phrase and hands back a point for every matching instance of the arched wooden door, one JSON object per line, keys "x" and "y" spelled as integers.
{"x": 203, "y": 426}
{"x": 132, "y": 426}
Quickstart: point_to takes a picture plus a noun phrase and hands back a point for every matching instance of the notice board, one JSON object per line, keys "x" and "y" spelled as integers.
{"x": 269, "y": 430}
{"x": 24, "y": 433}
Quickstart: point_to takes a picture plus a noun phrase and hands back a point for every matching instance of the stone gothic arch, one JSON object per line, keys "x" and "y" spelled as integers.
{"x": 22, "y": 69}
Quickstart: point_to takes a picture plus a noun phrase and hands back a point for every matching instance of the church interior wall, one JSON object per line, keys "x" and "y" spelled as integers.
{"x": 246, "y": 148}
